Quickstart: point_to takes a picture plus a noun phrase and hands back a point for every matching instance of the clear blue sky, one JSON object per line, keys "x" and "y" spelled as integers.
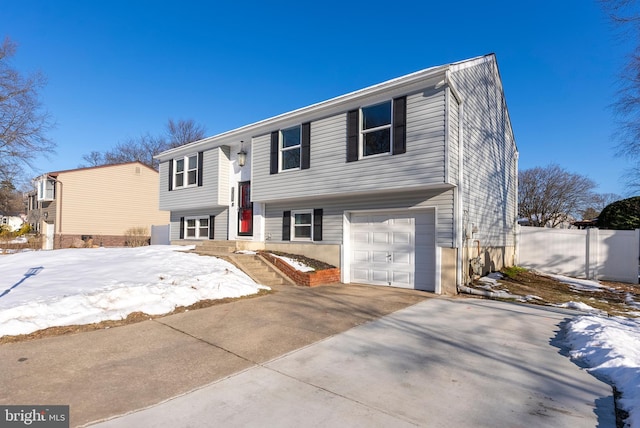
{"x": 120, "y": 69}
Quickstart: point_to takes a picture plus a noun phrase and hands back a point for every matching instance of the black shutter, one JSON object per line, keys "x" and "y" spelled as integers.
{"x": 171, "y": 175}
{"x": 317, "y": 224}
{"x": 399, "y": 125}
{"x": 274, "y": 152}
{"x": 353, "y": 131}
{"x": 211, "y": 223}
{"x": 181, "y": 227}
{"x": 305, "y": 161}
{"x": 286, "y": 226}
{"x": 200, "y": 163}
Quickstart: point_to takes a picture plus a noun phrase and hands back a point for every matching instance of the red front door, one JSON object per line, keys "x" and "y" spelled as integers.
{"x": 245, "y": 210}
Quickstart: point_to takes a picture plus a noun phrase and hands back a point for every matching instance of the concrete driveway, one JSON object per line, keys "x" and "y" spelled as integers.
{"x": 439, "y": 363}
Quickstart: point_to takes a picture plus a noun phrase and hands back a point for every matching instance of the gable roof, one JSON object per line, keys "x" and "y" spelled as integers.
{"x": 56, "y": 173}
{"x": 342, "y": 103}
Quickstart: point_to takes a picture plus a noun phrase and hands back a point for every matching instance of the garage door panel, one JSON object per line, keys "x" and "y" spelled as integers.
{"x": 401, "y": 238}
{"x": 404, "y": 278}
{"x": 360, "y": 256}
{"x": 401, "y": 258}
{"x": 360, "y": 237}
{"x": 380, "y": 276}
{"x": 360, "y": 275}
{"x": 379, "y": 257}
{"x": 380, "y": 238}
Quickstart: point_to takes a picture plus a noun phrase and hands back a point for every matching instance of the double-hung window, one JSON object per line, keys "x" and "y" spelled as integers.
{"x": 290, "y": 145}
{"x": 302, "y": 225}
{"x": 376, "y": 129}
{"x": 196, "y": 228}
{"x": 185, "y": 171}
{"x": 290, "y": 149}
{"x": 46, "y": 189}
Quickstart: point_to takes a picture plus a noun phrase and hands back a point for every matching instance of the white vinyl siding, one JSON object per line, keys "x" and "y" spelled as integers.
{"x": 453, "y": 137}
{"x": 421, "y": 166}
{"x": 490, "y": 155}
{"x": 215, "y": 184}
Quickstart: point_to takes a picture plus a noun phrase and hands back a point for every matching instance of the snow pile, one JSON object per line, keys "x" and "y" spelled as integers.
{"x": 578, "y": 284}
{"x": 579, "y": 306}
{"x": 611, "y": 348}
{"x": 295, "y": 264}
{"x": 43, "y": 289}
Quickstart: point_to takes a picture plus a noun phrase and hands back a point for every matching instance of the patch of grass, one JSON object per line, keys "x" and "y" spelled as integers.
{"x": 611, "y": 298}
{"x": 513, "y": 271}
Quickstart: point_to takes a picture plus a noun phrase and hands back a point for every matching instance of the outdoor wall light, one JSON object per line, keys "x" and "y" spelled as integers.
{"x": 242, "y": 155}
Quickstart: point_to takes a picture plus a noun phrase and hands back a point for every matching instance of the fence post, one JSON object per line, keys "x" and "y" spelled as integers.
{"x": 591, "y": 256}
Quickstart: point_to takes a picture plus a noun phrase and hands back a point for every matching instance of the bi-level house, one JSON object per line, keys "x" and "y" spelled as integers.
{"x": 410, "y": 183}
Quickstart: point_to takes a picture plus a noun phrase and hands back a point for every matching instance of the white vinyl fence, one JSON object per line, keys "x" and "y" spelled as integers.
{"x": 612, "y": 255}
{"x": 160, "y": 234}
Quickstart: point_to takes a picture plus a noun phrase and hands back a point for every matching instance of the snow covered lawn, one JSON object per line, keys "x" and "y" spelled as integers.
{"x": 41, "y": 289}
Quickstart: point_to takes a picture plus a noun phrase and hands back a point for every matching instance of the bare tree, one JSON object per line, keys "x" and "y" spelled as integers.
{"x": 140, "y": 149}
{"x": 183, "y": 132}
{"x": 95, "y": 158}
{"x": 145, "y": 147}
{"x": 598, "y": 202}
{"x": 550, "y": 196}
{"x": 23, "y": 124}
{"x": 625, "y": 15}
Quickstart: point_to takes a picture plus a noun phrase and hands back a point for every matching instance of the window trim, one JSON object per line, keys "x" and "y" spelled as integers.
{"x": 282, "y": 149}
{"x": 46, "y": 190}
{"x": 294, "y": 225}
{"x": 197, "y": 227}
{"x": 398, "y": 133}
{"x": 276, "y": 149}
{"x": 363, "y": 132}
{"x": 186, "y": 170}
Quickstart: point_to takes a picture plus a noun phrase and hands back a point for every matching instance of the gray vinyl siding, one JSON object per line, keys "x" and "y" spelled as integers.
{"x": 489, "y": 157}
{"x": 220, "y": 222}
{"x": 422, "y": 165}
{"x": 215, "y": 184}
{"x": 453, "y": 137}
{"x": 334, "y": 209}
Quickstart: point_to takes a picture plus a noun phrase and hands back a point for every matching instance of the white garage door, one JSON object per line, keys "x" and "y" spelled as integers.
{"x": 393, "y": 248}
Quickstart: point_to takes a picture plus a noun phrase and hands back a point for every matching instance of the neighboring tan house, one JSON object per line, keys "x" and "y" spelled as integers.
{"x": 409, "y": 183}
{"x": 98, "y": 204}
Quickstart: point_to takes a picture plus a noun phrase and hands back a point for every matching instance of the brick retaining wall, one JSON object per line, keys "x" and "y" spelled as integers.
{"x": 75, "y": 241}
{"x": 309, "y": 279}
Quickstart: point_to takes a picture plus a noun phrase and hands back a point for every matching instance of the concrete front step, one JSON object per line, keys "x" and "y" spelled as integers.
{"x": 259, "y": 269}
{"x": 210, "y": 248}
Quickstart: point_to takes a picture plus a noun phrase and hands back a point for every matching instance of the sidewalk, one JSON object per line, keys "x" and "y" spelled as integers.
{"x": 110, "y": 372}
